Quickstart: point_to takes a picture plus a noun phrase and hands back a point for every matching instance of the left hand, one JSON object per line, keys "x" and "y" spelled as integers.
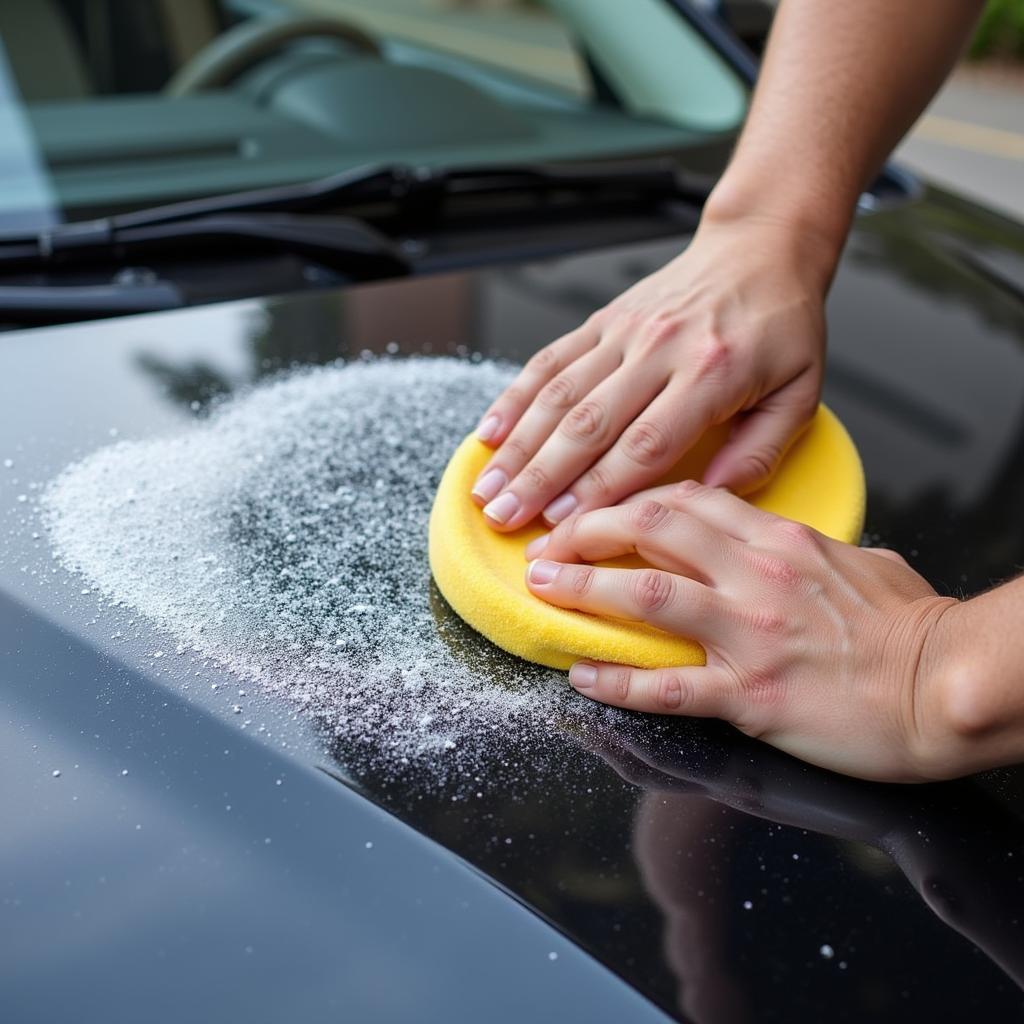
{"x": 812, "y": 645}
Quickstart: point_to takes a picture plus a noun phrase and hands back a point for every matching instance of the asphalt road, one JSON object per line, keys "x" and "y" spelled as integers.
{"x": 971, "y": 140}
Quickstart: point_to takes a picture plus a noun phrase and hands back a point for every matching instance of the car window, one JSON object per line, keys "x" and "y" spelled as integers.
{"x": 120, "y": 104}
{"x": 524, "y": 38}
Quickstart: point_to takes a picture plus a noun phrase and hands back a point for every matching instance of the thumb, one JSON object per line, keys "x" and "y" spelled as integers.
{"x": 762, "y": 437}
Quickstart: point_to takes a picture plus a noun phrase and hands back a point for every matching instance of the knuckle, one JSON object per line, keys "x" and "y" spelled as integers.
{"x": 671, "y": 691}
{"x": 599, "y": 484}
{"x": 546, "y": 361}
{"x": 713, "y": 357}
{"x": 585, "y": 423}
{"x": 559, "y": 393}
{"x": 582, "y": 580}
{"x": 798, "y": 536}
{"x": 776, "y": 571}
{"x": 646, "y": 443}
{"x": 621, "y": 682}
{"x": 648, "y": 515}
{"x": 515, "y": 447}
{"x": 516, "y": 396}
{"x": 661, "y": 328}
{"x": 653, "y": 591}
{"x": 760, "y": 464}
{"x": 686, "y": 490}
{"x": 535, "y": 478}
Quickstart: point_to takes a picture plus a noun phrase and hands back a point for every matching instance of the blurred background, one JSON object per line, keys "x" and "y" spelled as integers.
{"x": 971, "y": 139}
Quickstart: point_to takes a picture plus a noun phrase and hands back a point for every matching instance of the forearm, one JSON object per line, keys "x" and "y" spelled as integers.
{"x": 839, "y": 86}
{"x": 971, "y": 678}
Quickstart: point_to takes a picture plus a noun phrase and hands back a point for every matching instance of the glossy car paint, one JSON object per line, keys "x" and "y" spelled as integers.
{"x": 718, "y": 879}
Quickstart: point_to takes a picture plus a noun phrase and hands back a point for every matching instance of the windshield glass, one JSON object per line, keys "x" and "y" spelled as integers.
{"x": 112, "y": 105}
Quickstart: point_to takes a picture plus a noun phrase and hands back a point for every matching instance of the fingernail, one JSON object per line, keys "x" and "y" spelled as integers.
{"x": 560, "y": 508}
{"x": 503, "y": 508}
{"x": 582, "y": 676}
{"x": 537, "y": 545}
{"x": 490, "y": 483}
{"x": 543, "y": 572}
{"x": 488, "y": 428}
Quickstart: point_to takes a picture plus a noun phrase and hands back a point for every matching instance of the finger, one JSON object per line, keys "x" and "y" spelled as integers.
{"x": 700, "y": 691}
{"x": 663, "y": 537}
{"x": 555, "y": 399}
{"x": 580, "y": 438}
{"x": 649, "y": 447}
{"x": 715, "y": 506}
{"x": 505, "y": 411}
{"x": 673, "y": 603}
{"x": 759, "y": 441}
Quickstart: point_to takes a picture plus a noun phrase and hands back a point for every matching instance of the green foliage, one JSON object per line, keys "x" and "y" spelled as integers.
{"x": 1000, "y": 31}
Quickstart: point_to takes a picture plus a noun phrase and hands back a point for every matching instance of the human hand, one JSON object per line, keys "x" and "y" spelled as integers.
{"x": 814, "y": 646}
{"x": 735, "y": 325}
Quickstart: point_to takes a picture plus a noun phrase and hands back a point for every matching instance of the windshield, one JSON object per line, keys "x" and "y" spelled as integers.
{"x": 113, "y": 105}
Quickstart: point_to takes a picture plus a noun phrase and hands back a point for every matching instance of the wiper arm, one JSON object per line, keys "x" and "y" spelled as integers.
{"x": 271, "y": 217}
{"x": 342, "y": 243}
{"x": 415, "y": 186}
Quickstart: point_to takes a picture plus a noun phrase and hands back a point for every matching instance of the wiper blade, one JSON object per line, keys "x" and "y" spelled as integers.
{"x": 342, "y": 243}
{"x": 272, "y": 217}
{"x": 415, "y": 186}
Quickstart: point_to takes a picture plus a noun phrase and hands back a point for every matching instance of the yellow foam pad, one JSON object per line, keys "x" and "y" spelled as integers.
{"x": 481, "y": 573}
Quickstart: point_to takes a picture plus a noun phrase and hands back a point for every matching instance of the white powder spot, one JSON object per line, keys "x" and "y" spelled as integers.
{"x": 552, "y": 956}
{"x": 748, "y": 905}
{"x": 284, "y": 538}
{"x": 827, "y": 951}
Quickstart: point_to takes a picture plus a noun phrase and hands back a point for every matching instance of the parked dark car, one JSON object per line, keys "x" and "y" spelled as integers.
{"x": 494, "y": 178}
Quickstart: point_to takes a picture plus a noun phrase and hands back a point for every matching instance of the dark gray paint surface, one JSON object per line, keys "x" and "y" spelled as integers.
{"x": 644, "y": 851}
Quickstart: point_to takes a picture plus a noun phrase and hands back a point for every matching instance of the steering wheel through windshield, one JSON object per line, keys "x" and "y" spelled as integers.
{"x": 244, "y": 46}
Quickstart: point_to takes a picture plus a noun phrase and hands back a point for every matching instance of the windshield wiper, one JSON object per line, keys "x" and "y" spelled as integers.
{"x": 342, "y": 243}
{"x": 285, "y": 218}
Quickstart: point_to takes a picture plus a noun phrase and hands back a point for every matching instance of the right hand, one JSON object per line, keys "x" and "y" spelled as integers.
{"x": 734, "y": 326}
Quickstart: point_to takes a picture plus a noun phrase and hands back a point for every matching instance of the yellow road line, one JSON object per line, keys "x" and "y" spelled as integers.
{"x": 980, "y": 138}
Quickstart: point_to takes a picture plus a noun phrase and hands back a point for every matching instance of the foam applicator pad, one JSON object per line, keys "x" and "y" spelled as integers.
{"x": 481, "y": 573}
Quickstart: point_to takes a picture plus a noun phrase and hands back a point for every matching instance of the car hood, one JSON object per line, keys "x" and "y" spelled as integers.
{"x": 161, "y": 860}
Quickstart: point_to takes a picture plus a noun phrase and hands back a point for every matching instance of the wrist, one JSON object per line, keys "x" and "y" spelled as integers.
{"x": 812, "y": 233}
{"x": 959, "y": 715}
